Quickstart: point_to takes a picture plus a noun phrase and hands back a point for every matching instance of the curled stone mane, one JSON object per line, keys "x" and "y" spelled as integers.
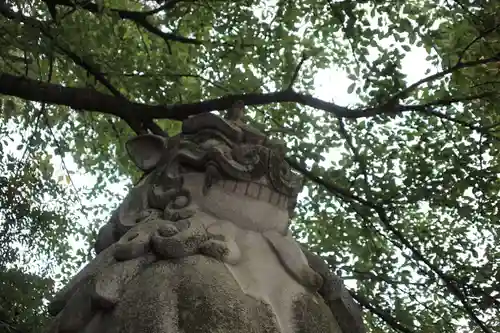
{"x": 224, "y": 149}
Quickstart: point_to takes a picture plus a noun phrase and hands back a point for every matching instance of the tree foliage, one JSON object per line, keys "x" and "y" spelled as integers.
{"x": 401, "y": 191}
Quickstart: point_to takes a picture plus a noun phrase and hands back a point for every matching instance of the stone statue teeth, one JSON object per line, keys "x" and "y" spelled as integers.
{"x": 201, "y": 244}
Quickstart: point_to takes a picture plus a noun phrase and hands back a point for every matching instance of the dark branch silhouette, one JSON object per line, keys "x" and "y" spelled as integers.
{"x": 140, "y": 18}
{"x": 385, "y": 221}
{"x": 93, "y": 100}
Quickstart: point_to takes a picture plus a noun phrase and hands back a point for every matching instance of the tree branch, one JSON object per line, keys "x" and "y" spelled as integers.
{"x": 427, "y": 109}
{"x": 480, "y": 36}
{"x": 44, "y": 29}
{"x": 77, "y": 98}
{"x": 297, "y": 70}
{"x": 139, "y": 18}
{"x": 403, "y": 93}
{"x": 386, "y": 223}
{"x": 449, "y": 282}
{"x": 92, "y": 100}
{"x": 383, "y": 315}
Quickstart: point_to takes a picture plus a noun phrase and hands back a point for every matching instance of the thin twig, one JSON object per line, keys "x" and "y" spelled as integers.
{"x": 297, "y": 70}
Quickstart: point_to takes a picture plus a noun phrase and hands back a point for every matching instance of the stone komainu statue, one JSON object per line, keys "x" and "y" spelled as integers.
{"x": 201, "y": 244}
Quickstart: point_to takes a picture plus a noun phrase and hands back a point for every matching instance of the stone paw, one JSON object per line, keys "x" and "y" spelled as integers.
{"x": 133, "y": 244}
{"x": 225, "y": 251}
{"x": 178, "y": 239}
{"x": 177, "y": 214}
{"x": 180, "y": 208}
{"x": 138, "y": 240}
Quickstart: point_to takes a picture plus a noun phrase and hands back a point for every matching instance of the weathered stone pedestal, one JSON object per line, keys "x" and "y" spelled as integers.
{"x": 201, "y": 244}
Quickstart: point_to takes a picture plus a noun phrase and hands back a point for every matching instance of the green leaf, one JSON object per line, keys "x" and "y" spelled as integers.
{"x": 350, "y": 89}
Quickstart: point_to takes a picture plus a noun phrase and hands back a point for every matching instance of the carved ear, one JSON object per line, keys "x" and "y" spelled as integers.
{"x": 146, "y": 150}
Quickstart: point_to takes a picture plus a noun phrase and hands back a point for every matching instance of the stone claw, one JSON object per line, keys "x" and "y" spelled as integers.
{"x": 226, "y": 251}
{"x": 171, "y": 241}
{"x": 133, "y": 244}
{"x": 168, "y": 230}
{"x": 177, "y": 214}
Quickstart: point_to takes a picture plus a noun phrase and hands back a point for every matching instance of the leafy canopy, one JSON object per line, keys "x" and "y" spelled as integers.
{"x": 401, "y": 189}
